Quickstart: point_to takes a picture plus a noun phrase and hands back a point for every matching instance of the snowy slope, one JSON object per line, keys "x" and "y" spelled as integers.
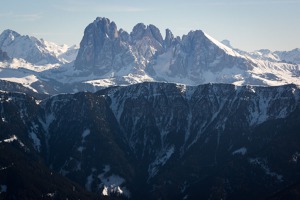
{"x": 36, "y": 51}
{"x": 292, "y": 56}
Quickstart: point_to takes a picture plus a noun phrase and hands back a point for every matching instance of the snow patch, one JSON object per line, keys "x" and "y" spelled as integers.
{"x": 49, "y": 118}
{"x": 112, "y": 184}
{"x": 9, "y": 140}
{"x": 14, "y": 138}
{"x": 36, "y": 140}
{"x": 3, "y": 119}
{"x": 258, "y": 113}
{"x": 51, "y": 195}
{"x": 223, "y": 47}
{"x": 85, "y": 133}
{"x": 295, "y": 157}
{"x": 181, "y": 88}
{"x": 241, "y": 151}
{"x": 102, "y": 82}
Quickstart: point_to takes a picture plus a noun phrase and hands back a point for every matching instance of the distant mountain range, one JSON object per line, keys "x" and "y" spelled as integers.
{"x": 109, "y": 56}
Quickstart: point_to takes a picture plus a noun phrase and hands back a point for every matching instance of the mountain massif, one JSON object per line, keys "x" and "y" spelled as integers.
{"x": 141, "y": 116}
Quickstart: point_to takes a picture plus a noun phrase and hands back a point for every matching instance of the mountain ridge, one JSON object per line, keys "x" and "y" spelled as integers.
{"x": 291, "y": 56}
{"x": 175, "y": 136}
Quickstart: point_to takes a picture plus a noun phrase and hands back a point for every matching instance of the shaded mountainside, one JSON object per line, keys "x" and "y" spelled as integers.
{"x": 3, "y": 56}
{"x": 23, "y": 172}
{"x": 159, "y": 140}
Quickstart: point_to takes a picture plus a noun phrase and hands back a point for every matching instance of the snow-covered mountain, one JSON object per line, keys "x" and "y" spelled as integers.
{"x": 292, "y": 57}
{"x": 109, "y": 56}
{"x": 35, "y": 51}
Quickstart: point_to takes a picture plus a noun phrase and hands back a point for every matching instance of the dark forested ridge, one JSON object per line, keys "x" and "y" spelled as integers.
{"x": 151, "y": 141}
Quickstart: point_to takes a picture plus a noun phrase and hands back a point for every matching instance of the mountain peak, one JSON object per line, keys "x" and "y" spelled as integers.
{"x": 138, "y": 31}
{"x": 7, "y": 36}
{"x": 98, "y": 19}
{"x": 106, "y": 27}
{"x": 9, "y": 31}
{"x": 169, "y": 38}
{"x": 141, "y": 30}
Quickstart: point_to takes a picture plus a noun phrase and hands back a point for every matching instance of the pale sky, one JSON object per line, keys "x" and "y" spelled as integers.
{"x": 248, "y": 24}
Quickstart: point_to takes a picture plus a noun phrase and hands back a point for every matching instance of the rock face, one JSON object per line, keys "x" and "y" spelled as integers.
{"x": 173, "y": 141}
{"x": 3, "y": 56}
{"x": 105, "y": 49}
{"x": 196, "y": 54}
{"x": 97, "y": 46}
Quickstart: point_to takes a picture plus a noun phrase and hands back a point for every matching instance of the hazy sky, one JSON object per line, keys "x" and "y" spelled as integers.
{"x": 248, "y": 24}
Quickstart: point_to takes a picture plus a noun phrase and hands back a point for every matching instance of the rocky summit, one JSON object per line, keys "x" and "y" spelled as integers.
{"x": 105, "y": 49}
{"x": 153, "y": 140}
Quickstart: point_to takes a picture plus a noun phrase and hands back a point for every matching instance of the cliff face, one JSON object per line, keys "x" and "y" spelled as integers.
{"x": 105, "y": 49}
